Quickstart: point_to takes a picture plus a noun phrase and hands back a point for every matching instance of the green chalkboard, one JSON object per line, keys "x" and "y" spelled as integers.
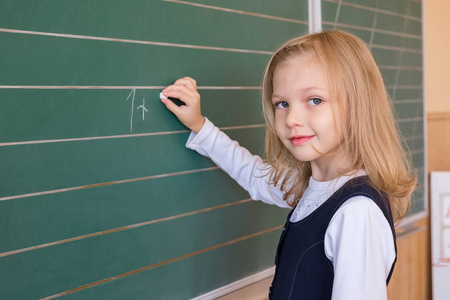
{"x": 99, "y": 198}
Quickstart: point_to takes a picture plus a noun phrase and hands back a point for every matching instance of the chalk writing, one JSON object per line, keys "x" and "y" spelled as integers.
{"x": 144, "y": 110}
{"x": 133, "y": 92}
{"x": 131, "y": 97}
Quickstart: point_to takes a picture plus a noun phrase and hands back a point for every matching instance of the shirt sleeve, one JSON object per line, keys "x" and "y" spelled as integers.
{"x": 248, "y": 170}
{"x": 360, "y": 244}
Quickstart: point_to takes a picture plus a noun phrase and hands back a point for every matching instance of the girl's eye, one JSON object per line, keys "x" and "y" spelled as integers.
{"x": 281, "y": 104}
{"x": 314, "y": 101}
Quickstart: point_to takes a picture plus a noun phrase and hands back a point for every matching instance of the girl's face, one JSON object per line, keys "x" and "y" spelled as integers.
{"x": 303, "y": 114}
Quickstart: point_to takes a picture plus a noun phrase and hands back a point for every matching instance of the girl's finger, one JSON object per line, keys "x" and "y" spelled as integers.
{"x": 188, "y": 82}
{"x": 180, "y": 94}
{"x": 171, "y": 106}
{"x": 184, "y": 94}
{"x": 183, "y": 83}
{"x": 178, "y": 87}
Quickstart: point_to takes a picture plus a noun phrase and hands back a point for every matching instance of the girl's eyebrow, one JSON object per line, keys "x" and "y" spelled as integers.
{"x": 307, "y": 89}
{"x": 304, "y": 90}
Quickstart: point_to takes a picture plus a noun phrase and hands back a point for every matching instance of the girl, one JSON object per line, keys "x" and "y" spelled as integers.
{"x": 334, "y": 155}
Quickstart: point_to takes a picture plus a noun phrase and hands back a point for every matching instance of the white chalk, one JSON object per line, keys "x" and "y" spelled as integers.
{"x": 161, "y": 96}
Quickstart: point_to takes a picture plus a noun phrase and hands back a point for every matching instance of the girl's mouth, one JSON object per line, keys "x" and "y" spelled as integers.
{"x": 299, "y": 139}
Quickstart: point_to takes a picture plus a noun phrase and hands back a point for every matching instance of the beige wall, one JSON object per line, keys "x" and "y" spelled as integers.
{"x": 436, "y": 17}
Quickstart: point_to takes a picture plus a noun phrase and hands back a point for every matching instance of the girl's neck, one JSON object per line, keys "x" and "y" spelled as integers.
{"x": 325, "y": 175}
{"x": 328, "y": 168}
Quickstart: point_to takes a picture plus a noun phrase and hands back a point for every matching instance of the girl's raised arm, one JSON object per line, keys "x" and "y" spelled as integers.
{"x": 248, "y": 170}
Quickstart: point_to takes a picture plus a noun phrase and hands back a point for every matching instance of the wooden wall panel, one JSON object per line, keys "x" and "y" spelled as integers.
{"x": 412, "y": 278}
{"x": 438, "y": 141}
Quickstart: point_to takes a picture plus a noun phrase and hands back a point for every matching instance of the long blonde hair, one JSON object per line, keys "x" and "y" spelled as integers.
{"x": 371, "y": 139}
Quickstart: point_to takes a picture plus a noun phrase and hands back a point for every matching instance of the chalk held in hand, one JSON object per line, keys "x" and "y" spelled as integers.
{"x": 174, "y": 100}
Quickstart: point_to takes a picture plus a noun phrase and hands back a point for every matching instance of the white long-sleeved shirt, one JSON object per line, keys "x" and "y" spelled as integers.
{"x": 358, "y": 240}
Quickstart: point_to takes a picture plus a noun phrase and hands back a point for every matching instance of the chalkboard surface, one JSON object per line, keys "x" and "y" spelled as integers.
{"x": 99, "y": 198}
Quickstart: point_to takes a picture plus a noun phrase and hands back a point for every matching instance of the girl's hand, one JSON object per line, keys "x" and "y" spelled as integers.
{"x": 190, "y": 114}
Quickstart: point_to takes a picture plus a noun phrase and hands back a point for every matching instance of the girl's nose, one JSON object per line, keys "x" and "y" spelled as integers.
{"x": 295, "y": 118}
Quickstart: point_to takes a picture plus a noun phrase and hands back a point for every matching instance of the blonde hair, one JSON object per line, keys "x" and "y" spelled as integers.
{"x": 371, "y": 139}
